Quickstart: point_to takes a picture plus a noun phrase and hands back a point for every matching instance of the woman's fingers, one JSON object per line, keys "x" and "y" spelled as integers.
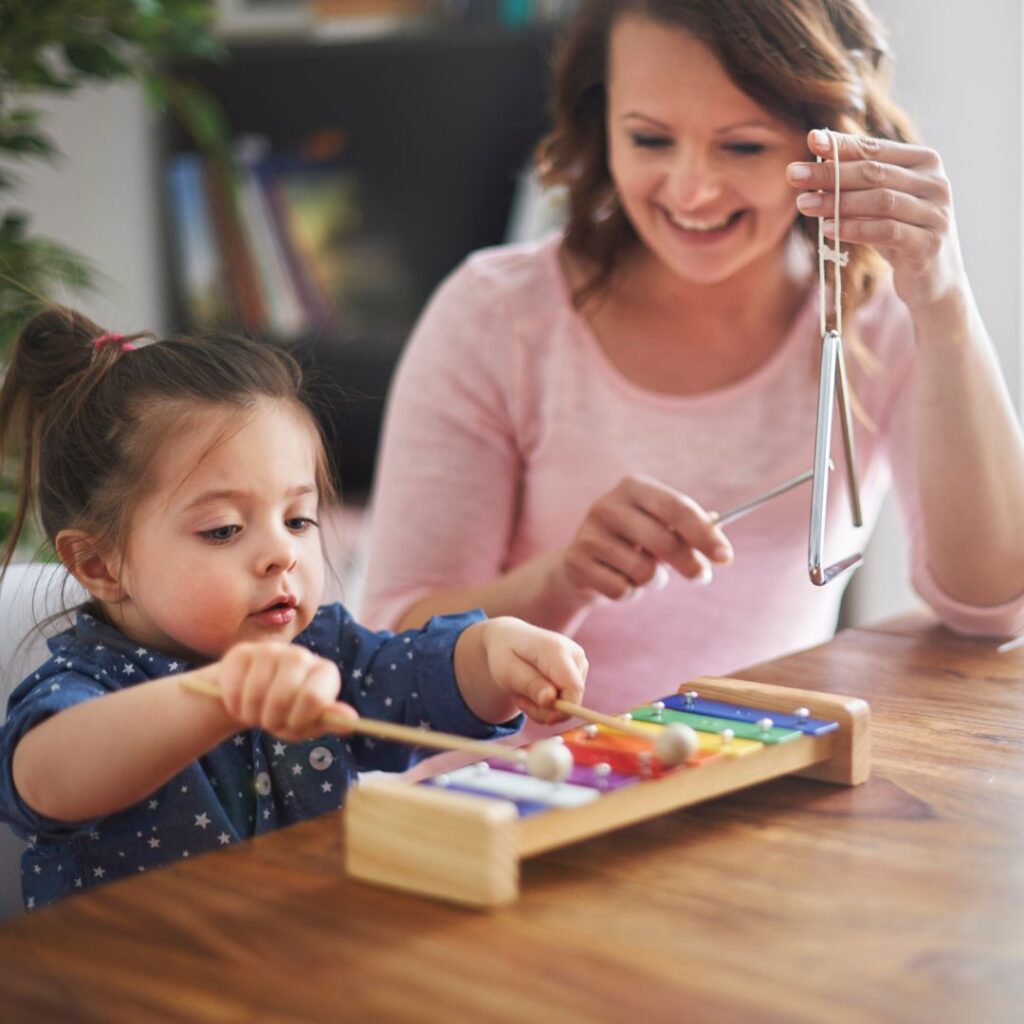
{"x": 874, "y": 204}
{"x": 868, "y": 148}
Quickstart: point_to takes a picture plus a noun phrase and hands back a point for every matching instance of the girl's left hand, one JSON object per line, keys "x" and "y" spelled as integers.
{"x": 893, "y": 196}
{"x": 534, "y": 666}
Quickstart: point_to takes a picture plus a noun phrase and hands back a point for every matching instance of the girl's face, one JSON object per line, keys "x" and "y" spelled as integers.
{"x": 699, "y": 167}
{"x": 226, "y": 548}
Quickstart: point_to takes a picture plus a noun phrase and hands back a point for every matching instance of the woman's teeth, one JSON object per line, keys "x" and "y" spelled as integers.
{"x": 688, "y": 224}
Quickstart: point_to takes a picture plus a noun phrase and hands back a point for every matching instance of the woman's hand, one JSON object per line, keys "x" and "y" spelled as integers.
{"x": 892, "y": 196}
{"x": 533, "y": 666}
{"x": 279, "y": 687}
{"x": 636, "y": 527}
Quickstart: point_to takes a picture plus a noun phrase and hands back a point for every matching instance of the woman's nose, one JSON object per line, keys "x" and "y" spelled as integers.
{"x": 692, "y": 181}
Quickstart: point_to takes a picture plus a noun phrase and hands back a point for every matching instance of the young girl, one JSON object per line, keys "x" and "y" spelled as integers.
{"x": 585, "y": 401}
{"x": 180, "y": 482}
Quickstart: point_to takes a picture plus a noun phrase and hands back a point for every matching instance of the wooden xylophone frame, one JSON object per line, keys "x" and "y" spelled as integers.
{"x": 466, "y": 849}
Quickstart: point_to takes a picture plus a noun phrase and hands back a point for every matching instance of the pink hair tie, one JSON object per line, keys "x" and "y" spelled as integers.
{"x": 104, "y": 339}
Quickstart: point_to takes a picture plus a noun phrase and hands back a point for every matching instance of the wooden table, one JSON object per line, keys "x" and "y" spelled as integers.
{"x": 900, "y": 900}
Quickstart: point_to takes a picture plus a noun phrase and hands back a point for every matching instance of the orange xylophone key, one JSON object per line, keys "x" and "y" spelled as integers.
{"x": 596, "y": 744}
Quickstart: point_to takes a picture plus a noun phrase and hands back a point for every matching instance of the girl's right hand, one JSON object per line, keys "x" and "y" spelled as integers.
{"x": 281, "y": 688}
{"x": 636, "y": 527}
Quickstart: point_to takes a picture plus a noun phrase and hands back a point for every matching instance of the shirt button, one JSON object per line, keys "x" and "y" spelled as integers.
{"x": 263, "y": 784}
{"x": 320, "y": 759}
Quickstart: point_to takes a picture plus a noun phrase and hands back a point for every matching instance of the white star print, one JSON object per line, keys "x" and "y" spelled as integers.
{"x": 279, "y": 749}
{"x": 78, "y": 883}
{"x": 173, "y": 667}
{"x": 202, "y": 820}
{"x": 327, "y": 787}
{"x": 153, "y": 804}
{"x": 31, "y": 903}
{"x": 224, "y": 838}
{"x": 99, "y": 872}
{"x": 184, "y": 853}
{"x": 296, "y": 769}
{"x": 184, "y": 789}
{"x": 38, "y": 870}
{"x": 239, "y": 740}
{"x": 55, "y": 688}
{"x": 357, "y": 673}
{"x": 388, "y": 702}
{"x": 128, "y": 669}
{"x": 140, "y": 652}
{"x": 154, "y": 843}
{"x": 266, "y": 814}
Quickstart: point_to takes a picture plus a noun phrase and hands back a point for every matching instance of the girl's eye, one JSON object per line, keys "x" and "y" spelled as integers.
{"x": 644, "y": 141}
{"x": 300, "y": 524}
{"x": 745, "y": 148}
{"x": 220, "y": 534}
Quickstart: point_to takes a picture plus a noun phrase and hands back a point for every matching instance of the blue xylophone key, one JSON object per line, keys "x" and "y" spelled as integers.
{"x": 738, "y": 713}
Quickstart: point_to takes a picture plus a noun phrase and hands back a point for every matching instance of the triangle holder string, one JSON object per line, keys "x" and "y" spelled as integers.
{"x": 832, "y": 391}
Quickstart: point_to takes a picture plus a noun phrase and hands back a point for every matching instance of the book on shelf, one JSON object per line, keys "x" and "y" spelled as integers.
{"x": 279, "y": 243}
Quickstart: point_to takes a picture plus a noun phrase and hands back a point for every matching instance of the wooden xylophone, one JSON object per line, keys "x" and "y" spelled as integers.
{"x": 460, "y": 836}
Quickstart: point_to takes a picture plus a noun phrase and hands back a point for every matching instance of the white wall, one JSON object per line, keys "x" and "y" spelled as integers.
{"x": 101, "y": 200}
{"x": 959, "y": 72}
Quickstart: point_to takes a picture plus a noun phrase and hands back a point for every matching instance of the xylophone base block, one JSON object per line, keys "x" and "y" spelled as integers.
{"x": 447, "y": 845}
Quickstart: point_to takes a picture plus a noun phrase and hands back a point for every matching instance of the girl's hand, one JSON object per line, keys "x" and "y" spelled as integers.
{"x": 634, "y": 528}
{"x": 893, "y": 196}
{"x": 534, "y": 666}
{"x": 279, "y": 687}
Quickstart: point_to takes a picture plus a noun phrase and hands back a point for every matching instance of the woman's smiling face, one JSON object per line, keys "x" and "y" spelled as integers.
{"x": 698, "y": 166}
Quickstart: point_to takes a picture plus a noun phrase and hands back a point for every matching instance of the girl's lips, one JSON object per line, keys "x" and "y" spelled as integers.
{"x": 275, "y": 615}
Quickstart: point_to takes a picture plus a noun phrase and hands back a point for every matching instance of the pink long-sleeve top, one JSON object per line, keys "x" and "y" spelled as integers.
{"x": 507, "y": 421}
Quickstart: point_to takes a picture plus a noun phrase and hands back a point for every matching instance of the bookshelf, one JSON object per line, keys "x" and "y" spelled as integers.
{"x": 437, "y": 126}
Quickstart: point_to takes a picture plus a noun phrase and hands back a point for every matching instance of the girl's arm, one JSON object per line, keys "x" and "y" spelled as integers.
{"x": 106, "y": 754}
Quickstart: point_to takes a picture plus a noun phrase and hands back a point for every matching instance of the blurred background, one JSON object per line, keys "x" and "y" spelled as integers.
{"x": 374, "y": 144}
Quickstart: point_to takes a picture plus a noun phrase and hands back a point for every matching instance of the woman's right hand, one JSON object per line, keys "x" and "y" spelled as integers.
{"x": 281, "y": 688}
{"x": 637, "y": 526}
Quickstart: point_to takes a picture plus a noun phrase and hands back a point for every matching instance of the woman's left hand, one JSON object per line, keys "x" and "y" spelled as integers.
{"x": 893, "y": 196}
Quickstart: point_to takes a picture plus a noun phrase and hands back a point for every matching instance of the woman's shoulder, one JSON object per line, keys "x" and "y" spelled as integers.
{"x": 524, "y": 270}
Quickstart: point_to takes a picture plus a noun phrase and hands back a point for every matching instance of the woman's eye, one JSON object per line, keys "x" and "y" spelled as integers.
{"x": 300, "y": 524}
{"x": 643, "y": 141}
{"x": 220, "y": 534}
{"x": 745, "y": 148}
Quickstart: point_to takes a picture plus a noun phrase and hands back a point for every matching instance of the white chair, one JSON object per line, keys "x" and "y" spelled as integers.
{"x": 30, "y": 594}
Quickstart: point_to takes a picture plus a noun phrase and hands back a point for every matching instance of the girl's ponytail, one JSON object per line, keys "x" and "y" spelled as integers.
{"x": 54, "y": 365}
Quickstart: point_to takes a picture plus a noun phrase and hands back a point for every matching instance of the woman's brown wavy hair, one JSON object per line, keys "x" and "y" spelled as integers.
{"x": 815, "y": 63}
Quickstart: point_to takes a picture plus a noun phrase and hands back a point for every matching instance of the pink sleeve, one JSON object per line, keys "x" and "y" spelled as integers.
{"x": 899, "y": 435}
{"x": 448, "y": 472}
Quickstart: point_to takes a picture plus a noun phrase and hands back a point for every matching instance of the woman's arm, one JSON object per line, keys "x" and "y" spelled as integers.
{"x": 969, "y": 454}
{"x": 455, "y": 463}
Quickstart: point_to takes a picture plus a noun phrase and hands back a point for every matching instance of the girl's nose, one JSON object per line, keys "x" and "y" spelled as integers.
{"x": 279, "y": 556}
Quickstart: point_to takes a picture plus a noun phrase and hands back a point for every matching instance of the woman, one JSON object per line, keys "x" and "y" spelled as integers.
{"x": 568, "y": 414}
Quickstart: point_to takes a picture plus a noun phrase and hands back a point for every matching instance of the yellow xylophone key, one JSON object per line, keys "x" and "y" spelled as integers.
{"x": 711, "y": 742}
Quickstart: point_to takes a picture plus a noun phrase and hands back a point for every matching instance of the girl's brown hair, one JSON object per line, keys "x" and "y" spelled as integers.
{"x": 815, "y": 63}
{"x": 86, "y": 420}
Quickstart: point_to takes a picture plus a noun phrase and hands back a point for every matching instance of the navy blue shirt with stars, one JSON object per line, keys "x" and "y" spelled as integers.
{"x": 250, "y": 783}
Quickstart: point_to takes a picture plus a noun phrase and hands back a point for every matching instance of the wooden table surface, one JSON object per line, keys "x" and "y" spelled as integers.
{"x": 900, "y": 900}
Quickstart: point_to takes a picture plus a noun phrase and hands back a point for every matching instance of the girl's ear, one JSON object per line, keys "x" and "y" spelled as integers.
{"x": 97, "y": 572}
